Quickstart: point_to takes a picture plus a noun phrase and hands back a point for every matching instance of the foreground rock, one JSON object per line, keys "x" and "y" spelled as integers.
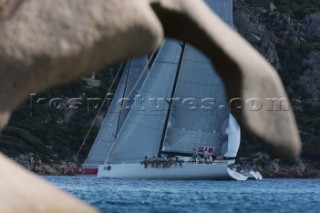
{"x": 26, "y": 193}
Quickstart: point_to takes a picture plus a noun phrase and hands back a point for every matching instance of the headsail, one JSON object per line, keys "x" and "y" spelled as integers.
{"x": 115, "y": 116}
{"x": 197, "y": 118}
{"x": 234, "y": 137}
{"x": 136, "y": 77}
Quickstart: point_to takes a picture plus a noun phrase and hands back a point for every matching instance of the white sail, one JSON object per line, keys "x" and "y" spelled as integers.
{"x": 141, "y": 132}
{"x": 116, "y": 115}
{"x": 234, "y": 137}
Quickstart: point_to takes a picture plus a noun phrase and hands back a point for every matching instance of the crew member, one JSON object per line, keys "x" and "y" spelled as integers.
{"x": 194, "y": 155}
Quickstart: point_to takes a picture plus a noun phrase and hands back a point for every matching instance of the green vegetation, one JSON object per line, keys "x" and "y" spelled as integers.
{"x": 297, "y": 8}
{"x": 56, "y": 132}
{"x": 291, "y": 58}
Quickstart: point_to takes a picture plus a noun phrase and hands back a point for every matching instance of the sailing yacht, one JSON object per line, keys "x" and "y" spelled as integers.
{"x": 167, "y": 122}
{"x": 171, "y": 128}
{"x": 181, "y": 107}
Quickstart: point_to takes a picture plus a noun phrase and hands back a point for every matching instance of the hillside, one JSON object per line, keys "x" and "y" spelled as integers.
{"x": 286, "y": 32}
{"x": 52, "y": 125}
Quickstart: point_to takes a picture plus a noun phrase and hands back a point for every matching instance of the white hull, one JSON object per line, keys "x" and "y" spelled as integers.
{"x": 213, "y": 171}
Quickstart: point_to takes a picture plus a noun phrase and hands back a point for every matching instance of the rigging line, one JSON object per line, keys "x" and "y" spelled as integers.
{"x": 145, "y": 69}
{"x": 96, "y": 117}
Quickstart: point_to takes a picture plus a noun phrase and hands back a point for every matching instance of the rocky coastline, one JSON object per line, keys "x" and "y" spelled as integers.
{"x": 275, "y": 168}
{"x": 34, "y": 164}
{"x": 262, "y": 162}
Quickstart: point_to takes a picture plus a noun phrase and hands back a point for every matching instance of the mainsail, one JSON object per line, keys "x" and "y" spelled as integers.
{"x": 198, "y": 120}
{"x": 116, "y": 115}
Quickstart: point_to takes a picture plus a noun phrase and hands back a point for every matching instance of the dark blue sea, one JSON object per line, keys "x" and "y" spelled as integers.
{"x": 138, "y": 196}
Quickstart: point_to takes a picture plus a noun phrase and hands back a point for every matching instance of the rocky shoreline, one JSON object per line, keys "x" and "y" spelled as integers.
{"x": 275, "y": 168}
{"x": 269, "y": 168}
{"x": 34, "y": 164}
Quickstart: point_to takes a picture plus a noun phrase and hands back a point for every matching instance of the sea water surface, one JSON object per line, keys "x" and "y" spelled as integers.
{"x": 135, "y": 196}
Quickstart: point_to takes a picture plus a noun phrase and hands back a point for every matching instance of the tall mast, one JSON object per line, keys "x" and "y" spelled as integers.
{"x": 183, "y": 44}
